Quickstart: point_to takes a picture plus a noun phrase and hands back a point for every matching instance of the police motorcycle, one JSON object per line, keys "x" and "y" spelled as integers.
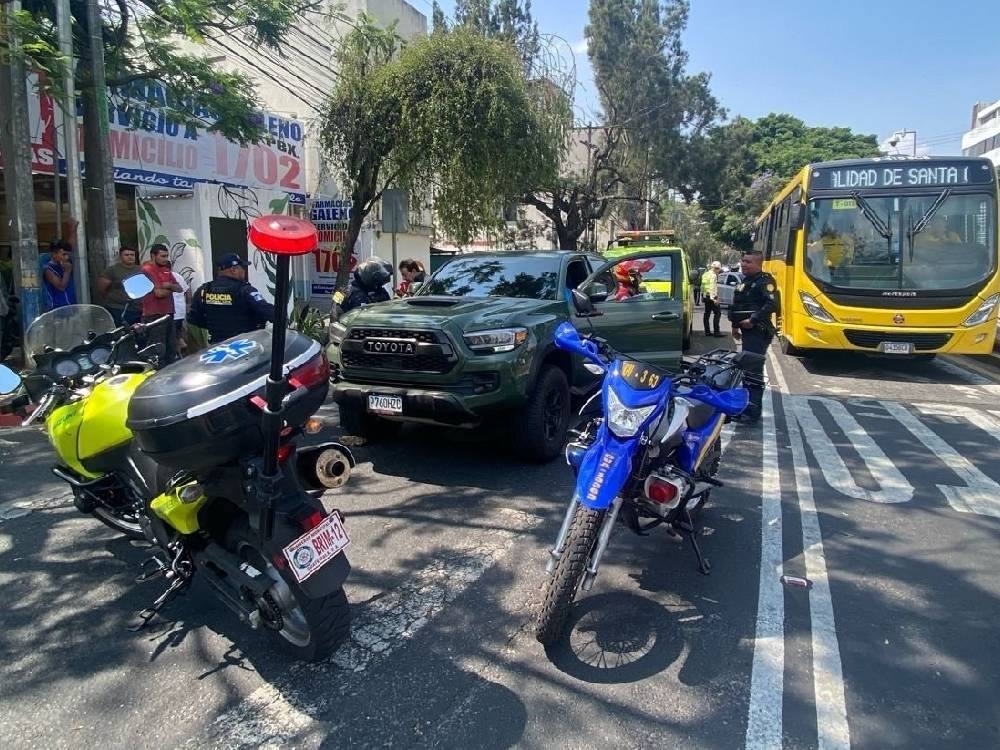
{"x": 222, "y": 487}
{"x": 648, "y": 457}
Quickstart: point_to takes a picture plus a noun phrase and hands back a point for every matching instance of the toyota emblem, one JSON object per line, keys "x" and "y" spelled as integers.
{"x": 899, "y": 319}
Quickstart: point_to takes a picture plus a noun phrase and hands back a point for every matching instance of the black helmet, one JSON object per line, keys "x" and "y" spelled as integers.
{"x": 373, "y": 273}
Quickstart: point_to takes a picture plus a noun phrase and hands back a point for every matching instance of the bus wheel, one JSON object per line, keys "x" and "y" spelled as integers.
{"x": 788, "y": 348}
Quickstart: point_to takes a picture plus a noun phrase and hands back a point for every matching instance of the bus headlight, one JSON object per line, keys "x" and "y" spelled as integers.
{"x": 815, "y": 309}
{"x": 983, "y": 312}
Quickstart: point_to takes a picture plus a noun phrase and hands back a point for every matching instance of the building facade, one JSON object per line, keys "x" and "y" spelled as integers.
{"x": 983, "y": 137}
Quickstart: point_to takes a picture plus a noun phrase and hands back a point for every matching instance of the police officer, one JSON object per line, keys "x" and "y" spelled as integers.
{"x": 367, "y": 286}
{"x": 229, "y": 305}
{"x": 753, "y": 302}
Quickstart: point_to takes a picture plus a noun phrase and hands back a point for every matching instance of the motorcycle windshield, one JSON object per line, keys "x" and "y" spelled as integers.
{"x": 64, "y": 328}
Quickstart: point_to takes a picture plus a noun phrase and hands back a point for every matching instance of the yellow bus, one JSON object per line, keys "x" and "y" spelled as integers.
{"x": 887, "y": 256}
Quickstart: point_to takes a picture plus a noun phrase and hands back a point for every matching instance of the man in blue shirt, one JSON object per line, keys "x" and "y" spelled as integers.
{"x": 58, "y": 276}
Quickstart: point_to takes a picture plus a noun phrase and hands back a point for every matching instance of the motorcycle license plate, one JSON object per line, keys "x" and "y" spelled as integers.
{"x": 379, "y": 404}
{"x": 896, "y": 347}
{"x": 316, "y": 547}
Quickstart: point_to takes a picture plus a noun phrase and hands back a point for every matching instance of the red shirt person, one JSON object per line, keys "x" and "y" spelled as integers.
{"x": 160, "y": 301}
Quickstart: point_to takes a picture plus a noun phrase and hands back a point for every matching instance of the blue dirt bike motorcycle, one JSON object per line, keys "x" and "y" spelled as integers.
{"x": 649, "y": 457}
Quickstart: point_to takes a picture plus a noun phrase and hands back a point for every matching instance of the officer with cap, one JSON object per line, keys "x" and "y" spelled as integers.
{"x": 753, "y": 303}
{"x": 228, "y": 305}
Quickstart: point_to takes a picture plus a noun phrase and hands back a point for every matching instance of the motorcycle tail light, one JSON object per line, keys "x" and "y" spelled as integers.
{"x": 661, "y": 491}
{"x": 313, "y": 372}
{"x": 311, "y": 521}
{"x": 284, "y": 452}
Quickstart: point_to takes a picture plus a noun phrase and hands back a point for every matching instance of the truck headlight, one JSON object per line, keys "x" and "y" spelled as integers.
{"x": 338, "y": 332}
{"x": 815, "y": 309}
{"x": 496, "y": 341}
{"x": 983, "y": 312}
{"x": 624, "y": 421}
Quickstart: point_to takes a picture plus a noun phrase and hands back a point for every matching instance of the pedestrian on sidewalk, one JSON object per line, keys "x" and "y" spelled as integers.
{"x": 58, "y": 276}
{"x": 160, "y": 301}
{"x": 696, "y": 287}
{"x": 181, "y": 301}
{"x": 111, "y": 291}
{"x": 710, "y": 294}
{"x": 754, "y": 302}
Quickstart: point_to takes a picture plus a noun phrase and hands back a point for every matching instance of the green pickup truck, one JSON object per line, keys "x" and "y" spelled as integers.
{"x": 476, "y": 343}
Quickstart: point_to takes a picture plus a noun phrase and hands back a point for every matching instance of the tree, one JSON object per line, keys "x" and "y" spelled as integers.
{"x": 640, "y": 66}
{"x": 745, "y": 163}
{"x": 450, "y": 113}
{"x": 146, "y": 65}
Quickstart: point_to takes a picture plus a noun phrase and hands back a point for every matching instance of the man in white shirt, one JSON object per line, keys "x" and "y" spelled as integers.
{"x": 710, "y": 294}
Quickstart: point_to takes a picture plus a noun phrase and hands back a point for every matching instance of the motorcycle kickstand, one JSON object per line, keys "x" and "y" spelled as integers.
{"x": 156, "y": 572}
{"x": 687, "y": 526}
{"x": 146, "y": 615}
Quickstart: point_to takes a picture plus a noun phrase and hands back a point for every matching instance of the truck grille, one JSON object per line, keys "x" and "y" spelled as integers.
{"x": 436, "y": 363}
{"x": 920, "y": 341}
{"x": 422, "y": 337}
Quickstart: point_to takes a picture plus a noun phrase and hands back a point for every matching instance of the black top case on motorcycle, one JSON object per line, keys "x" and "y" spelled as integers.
{"x": 199, "y": 413}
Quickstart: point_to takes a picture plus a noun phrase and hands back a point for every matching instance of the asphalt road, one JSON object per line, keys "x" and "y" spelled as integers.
{"x": 875, "y": 481}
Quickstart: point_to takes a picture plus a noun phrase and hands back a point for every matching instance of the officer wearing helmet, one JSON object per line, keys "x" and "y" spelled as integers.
{"x": 229, "y": 305}
{"x": 367, "y": 286}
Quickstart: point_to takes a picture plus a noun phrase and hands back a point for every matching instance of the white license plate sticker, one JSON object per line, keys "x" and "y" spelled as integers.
{"x": 896, "y": 347}
{"x": 379, "y": 404}
{"x": 316, "y": 547}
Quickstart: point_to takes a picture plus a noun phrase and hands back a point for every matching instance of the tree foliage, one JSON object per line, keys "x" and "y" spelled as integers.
{"x": 745, "y": 163}
{"x": 450, "y": 114}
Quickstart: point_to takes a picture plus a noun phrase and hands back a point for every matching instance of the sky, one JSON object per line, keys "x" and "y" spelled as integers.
{"x": 874, "y": 66}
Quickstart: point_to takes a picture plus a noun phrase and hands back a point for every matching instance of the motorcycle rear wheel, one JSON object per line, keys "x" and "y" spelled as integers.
{"x": 311, "y": 629}
{"x": 561, "y": 587}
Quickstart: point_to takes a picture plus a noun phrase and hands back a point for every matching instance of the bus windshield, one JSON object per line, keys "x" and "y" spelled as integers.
{"x": 928, "y": 242}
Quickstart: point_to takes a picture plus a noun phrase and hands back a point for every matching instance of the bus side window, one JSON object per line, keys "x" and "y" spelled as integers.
{"x": 781, "y": 231}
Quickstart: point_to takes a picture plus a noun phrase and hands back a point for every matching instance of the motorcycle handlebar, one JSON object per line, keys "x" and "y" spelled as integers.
{"x": 43, "y": 407}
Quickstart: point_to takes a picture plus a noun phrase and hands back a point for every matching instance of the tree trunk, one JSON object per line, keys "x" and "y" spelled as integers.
{"x": 350, "y": 240}
{"x": 99, "y": 182}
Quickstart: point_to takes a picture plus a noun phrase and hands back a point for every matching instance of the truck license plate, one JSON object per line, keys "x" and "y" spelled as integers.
{"x": 316, "y": 547}
{"x": 896, "y": 347}
{"x": 379, "y": 404}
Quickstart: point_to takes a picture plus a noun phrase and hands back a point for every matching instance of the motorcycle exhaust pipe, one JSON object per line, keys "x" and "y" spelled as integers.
{"x": 325, "y": 467}
{"x": 556, "y": 552}
{"x": 602, "y": 544}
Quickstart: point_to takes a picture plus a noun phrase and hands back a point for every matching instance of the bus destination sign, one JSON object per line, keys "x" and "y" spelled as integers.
{"x": 889, "y": 175}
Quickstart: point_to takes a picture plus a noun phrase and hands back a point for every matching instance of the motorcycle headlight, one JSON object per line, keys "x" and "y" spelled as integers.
{"x": 815, "y": 309}
{"x": 338, "y": 332}
{"x": 622, "y": 420}
{"x": 496, "y": 341}
{"x": 983, "y": 312}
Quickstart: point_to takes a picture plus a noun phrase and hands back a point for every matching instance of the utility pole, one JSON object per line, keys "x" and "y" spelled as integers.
{"x": 102, "y": 209}
{"x": 71, "y": 151}
{"x": 18, "y": 182}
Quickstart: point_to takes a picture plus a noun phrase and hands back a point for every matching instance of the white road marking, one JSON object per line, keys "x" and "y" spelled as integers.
{"x": 764, "y": 725}
{"x": 779, "y": 376}
{"x": 278, "y": 712}
{"x": 970, "y": 376}
{"x": 894, "y": 486}
{"x": 978, "y": 417}
{"x": 828, "y": 678}
{"x": 981, "y": 495}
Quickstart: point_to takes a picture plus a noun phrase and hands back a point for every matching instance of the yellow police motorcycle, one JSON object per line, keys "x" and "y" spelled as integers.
{"x": 175, "y": 457}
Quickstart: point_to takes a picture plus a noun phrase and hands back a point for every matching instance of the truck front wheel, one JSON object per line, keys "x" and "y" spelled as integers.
{"x": 538, "y": 430}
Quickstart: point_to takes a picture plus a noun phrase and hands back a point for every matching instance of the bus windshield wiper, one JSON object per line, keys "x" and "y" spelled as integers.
{"x": 917, "y": 228}
{"x": 876, "y": 221}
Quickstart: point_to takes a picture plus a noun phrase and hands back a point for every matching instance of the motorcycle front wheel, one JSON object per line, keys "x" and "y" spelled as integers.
{"x": 308, "y": 629}
{"x": 561, "y": 587}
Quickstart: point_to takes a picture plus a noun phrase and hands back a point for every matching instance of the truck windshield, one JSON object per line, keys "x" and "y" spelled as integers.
{"x": 491, "y": 276}
{"x": 919, "y": 247}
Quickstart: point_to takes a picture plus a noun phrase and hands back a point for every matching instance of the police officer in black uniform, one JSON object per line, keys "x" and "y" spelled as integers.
{"x": 229, "y": 305}
{"x": 367, "y": 286}
{"x": 753, "y": 303}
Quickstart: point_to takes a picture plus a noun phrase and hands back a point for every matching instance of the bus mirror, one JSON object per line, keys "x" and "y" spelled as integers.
{"x": 797, "y": 216}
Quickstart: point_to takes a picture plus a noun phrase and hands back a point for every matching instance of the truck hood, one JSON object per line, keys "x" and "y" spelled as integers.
{"x": 467, "y": 313}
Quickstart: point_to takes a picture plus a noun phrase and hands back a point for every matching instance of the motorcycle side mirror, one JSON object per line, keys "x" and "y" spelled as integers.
{"x": 10, "y": 381}
{"x": 137, "y": 286}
